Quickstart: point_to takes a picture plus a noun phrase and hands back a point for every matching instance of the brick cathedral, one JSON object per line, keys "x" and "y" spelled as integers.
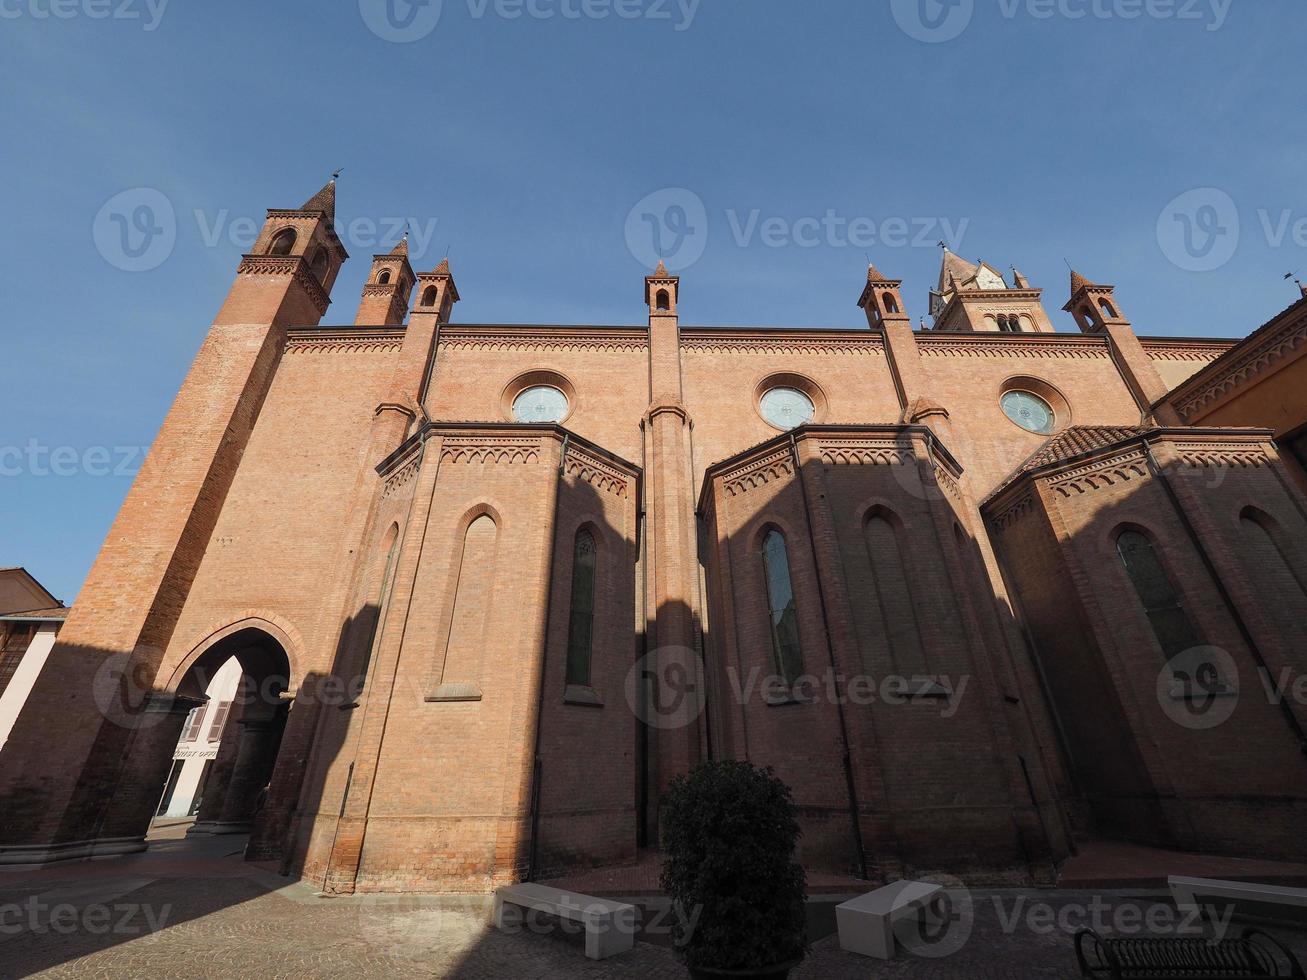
{"x": 978, "y": 592}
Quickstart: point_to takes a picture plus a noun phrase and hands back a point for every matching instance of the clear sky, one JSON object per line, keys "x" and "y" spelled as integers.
{"x": 555, "y": 146}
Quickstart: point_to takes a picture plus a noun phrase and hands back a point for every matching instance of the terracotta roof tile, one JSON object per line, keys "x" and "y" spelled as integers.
{"x": 324, "y": 200}
{"x": 1079, "y": 439}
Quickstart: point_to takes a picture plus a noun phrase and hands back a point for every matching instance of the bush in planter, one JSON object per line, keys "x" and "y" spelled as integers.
{"x": 729, "y": 834}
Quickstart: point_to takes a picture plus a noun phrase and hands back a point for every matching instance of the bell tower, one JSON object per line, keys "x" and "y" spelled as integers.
{"x": 1097, "y": 312}
{"x": 882, "y": 298}
{"x": 286, "y": 278}
{"x": 116, "y": 636}
{"x": 436, "y": 293}
{"x": 385, "y": 294}
{"x": 1093, "y": 306}
{"x": 975, "y": 298}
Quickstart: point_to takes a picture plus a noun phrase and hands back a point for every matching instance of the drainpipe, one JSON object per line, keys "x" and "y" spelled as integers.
{"x": 845, "y": 759}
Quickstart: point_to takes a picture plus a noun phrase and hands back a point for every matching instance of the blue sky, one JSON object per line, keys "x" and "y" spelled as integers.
{"x": 532, "y": 139}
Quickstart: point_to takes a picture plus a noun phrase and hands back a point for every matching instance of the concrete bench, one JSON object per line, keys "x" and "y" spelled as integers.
{"x": 866, "y": 923}
{"x": 1186, "y": 892}
{"x": 609, "y": 926}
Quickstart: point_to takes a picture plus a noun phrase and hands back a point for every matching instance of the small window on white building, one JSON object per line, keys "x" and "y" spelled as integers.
{"x": 219, "y": 719}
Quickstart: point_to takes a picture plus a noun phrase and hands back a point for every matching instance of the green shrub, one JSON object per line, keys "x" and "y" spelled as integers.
{"x": 729, "y": 834}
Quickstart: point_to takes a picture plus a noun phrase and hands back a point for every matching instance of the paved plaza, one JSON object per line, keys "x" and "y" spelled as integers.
{"x": 195, "y": 909}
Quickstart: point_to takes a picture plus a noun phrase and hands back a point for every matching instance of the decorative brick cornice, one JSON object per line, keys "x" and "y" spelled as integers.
{"x": 1045, "y": 345}
{"x": 1276, "y": 342}
{"x": 865, "y": 452}
{"x": 293, "y": 266}
{"x": 758, "y": 472}
{"x": 492, "y": 448}
{"x": 337, "y": 340}
{"x": 401, "y": 477}
{"x": 1228, "y": 454}
{"x": 1165, "y": 349}
{"x": 701, "y": 340}
{"x": 510, "y": 337}
{"x": 591, "y": 468}
{"x": 1015, "y": 510}
{"x": 1121, "y": 468}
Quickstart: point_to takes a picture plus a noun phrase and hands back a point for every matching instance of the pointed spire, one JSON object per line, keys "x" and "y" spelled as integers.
{"x": 954, "y": 267}
{"x": 873, "y": 274}
{"x": 402, "y": 247}
{"x": 443, "y": 268}
{"x": 324, "y": 200}
{"x": 1078, "y": 282}
{"x": 661, "y": 272}
{"x": 1018, "y": 280}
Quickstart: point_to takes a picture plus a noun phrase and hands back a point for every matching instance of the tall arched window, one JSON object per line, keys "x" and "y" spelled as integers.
{"x": 898, "y": 613}
{"x": 664, "y": 300}
{"x": 429, "y": 296}
{"x": 580, "y": 625}
{"x": 1106, "y": 307}
{"x": 473, "y": 597}
{"x": 890, "y": 305}
{"x": 783, "y": 614}
{"x": 1171, "y": 625}
{"x": 378, "y": 612}
{"x": 384, "y": 278}
{"x": 1273, "y": 570}
{"x": 283, "y": 242}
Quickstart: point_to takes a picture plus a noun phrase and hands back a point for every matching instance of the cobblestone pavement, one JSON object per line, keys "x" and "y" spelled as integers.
{"x": 191, "y": 911}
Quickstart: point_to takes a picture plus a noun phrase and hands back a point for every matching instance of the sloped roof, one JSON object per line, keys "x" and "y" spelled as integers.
{"x": 955, "y": 266}
{"x": 1079, "y": 439}
{"x": 324, "y": 200}
{"x": 54, "y": 613}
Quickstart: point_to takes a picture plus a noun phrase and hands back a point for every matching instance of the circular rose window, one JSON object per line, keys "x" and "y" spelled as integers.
{"x": 1029, "y": 411}
{"x": 540, "y": 403}
{"x": 786, "y": 407}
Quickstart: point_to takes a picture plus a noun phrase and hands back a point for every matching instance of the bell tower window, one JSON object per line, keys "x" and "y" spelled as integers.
{"x": 283, "y": 242}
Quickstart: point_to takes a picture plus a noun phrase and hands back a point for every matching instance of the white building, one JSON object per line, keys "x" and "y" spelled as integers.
{"x": 198, "y": 745}
{"x": 30, "y": 618}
